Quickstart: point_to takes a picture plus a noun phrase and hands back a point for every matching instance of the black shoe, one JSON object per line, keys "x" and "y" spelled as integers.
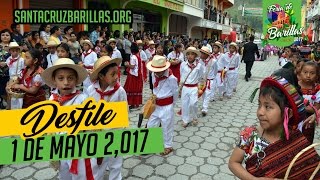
{"x": 246, "y": 78}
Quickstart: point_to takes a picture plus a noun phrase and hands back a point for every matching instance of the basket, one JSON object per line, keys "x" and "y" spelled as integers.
{"x": 149, "y": 107}
{"x": 296, "y": 158}
{"x": 15, "y": 94}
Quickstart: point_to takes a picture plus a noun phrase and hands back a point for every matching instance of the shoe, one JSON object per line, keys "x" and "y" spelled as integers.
{"x": 235, "y": 90}
{"x": 221, "y": 99}
{"x": 246, "y": 78}
{"x": 195, "y": 122}
{"x": 204, "y": 114}
{"x": 229, "y": 97}
{"x": 185, "y": 125}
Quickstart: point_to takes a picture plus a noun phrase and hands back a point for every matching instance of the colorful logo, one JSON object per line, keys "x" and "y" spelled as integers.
{"x": 281, "y": 22}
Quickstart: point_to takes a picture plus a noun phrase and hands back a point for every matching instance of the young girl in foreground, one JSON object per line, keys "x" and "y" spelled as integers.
{"x": 263, "y": 148}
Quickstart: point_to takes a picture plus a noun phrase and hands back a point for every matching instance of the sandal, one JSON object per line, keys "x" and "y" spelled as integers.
{"x": 185, "y": 125}
{"x": 195, "y": 122}
{"x": 167, "y": 151}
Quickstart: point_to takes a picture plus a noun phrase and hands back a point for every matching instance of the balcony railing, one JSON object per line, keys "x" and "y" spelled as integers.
{"x": 313, "y": 11}
{"x": 218, "y": 17}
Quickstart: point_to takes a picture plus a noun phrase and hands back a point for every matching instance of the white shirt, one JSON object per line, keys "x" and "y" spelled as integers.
{"x": 212, "y": 64}
{"x": 234, "y": 60}
{"x": 195, "y": 76}
{"x": 143, "y": 56}
{"x": 116, "y": 54}
{"x": 51, "y": 59}
{"x": 45, "y": 36}
{"x": 16, "y": 67}
{"x": 166, "y": 87}
{"x": 222, "y": 62}
{"x": 283, "y": 61}
{"x": 150, "y": 52}
{"x": 78, "y": 99}
{"x": 119, "y": 95}
{"x": 90, "y": 59}
{"x": 174, "y": 55}
{"x": 134, "y": 61}
{"x": 210, "y": 48}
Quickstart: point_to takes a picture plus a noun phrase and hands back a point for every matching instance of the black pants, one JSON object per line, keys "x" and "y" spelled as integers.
{"x": 249, "y": 65}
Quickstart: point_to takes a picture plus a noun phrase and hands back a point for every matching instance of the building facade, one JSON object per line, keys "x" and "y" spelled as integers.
{"x": 193, "y": 18}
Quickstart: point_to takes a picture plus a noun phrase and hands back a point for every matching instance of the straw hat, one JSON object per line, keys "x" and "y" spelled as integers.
{"x": 217, "y": 43}
{"x": 63, "y": 63}
{"x": 86, "y": 41}
{"x": 151, "y": 43}
{"x": 52, "y": 44}
{"x": 12, "y": 45}
{"x": 234, "y": 45}
{"x": 191, "y": 49}
{"x": 111, "y": 40}
{"x": 139, "y": 42}
{"x": 102, "y": 63}
{"x": 158, "y": 64}
{"x": 205, "y": 50}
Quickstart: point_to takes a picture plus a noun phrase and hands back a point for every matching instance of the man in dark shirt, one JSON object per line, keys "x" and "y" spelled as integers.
{"x": 249, "y": 49}
{"x": 16, "y": 36}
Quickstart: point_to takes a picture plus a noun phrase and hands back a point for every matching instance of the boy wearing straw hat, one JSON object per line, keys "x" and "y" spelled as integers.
{"x": 106, "y": 87}
{"x": 223, "y": 67}
{"x": 52, "y": 56}
{"x": 191, "y": 74}
{"x": 165, "y": 89}
{"x": 14, "y": 62}
{"x": 64, "y": 75}
{"x": 210, "y": 72}
{"x": 116, "y": 54}
{"x": 216, "y": 55}
{"x": 89, "y": 57}
{"x": 232, "y": 76}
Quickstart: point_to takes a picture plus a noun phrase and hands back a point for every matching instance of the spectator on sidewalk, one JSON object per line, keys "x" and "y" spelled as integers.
{"x": 45, "y": 32}
{"x": 95, "y": 34}
{"x": 55, "y": 33}
{"x": 16, "y": 36}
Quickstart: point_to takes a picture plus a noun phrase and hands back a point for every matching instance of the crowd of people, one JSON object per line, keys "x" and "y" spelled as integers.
{"x": 69, "y": 67}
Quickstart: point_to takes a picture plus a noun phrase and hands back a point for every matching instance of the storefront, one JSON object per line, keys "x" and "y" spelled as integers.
{"x": 144, "y": 21}
{"x": 177, "y": 25}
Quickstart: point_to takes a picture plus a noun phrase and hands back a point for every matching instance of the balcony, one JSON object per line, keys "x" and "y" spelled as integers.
{"x": 217, "y": 16}
{"x": 313, "y": 11}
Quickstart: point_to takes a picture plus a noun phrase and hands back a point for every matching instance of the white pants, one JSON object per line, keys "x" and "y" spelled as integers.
{"x": 165, "y": 115}
{"x": 220, "y": 84}
{"x": 64, "y": 173}
{"x": 189, "y": 100}
{"x": 231, "y": 81}
{"x": 208, "y": 94}
{"x": 86, "y": 83}
{"x": 114, "y": 165}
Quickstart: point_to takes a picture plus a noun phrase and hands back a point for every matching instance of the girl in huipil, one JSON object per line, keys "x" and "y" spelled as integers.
{"x": 268, "y": 149}
{"x": 89, "y": 57}
{"x": 176, "y": 57}
{"x": 134, "y": 82}
{"x": 30, "y": 80}
{"x": 311, "y": 93}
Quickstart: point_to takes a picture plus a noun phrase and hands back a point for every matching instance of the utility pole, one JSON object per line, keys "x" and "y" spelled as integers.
{"x": 242, "y": 20}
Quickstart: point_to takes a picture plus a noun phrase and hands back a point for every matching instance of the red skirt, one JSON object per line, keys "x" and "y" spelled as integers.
{"x": 133, "y": 87}
{"x": 176, "y": 71}
{"x": 145, "y": 74}
{"x": 30, "y": 99}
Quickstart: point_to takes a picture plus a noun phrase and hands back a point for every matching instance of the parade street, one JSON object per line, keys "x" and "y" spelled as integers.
{"x": 200, "y": 152}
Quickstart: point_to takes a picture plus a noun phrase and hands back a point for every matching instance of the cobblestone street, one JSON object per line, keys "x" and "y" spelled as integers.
{"x": 200, "y": 152}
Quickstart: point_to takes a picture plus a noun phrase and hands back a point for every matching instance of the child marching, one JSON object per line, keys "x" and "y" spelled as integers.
{"x": 116, "y": 54}
{"x": 223, "y": 67}
{"x": 64, "y": 76}
{"x": 210, "y": 71}
{"x": 89, "y": 57}
{"x": 232, "y": 76}
{"x": 191, "y": 74}
{"x": 166, "y": 90}
{"x": 107, "y": 87}
{"x": 134, "y": 82}
{"x": 176, "y": 58}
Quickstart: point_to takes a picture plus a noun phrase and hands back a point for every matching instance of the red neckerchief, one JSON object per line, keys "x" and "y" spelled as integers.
{"x": 207, "y": 61}
{"x": 108, "y": 93}
{"x": 63, "y": 99}
{"x": 86, "y": 54}
{"x": 191, "y": 66}
{"x": 12, "y": 60}
{"x": 27, "y": 79}
{"x": 152, "y": 51}
{"x": 215, "y": 55}
{"x": 158, "y": 79}
{"x": 230, "y": 55}
{"x": 74, "y": 168}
